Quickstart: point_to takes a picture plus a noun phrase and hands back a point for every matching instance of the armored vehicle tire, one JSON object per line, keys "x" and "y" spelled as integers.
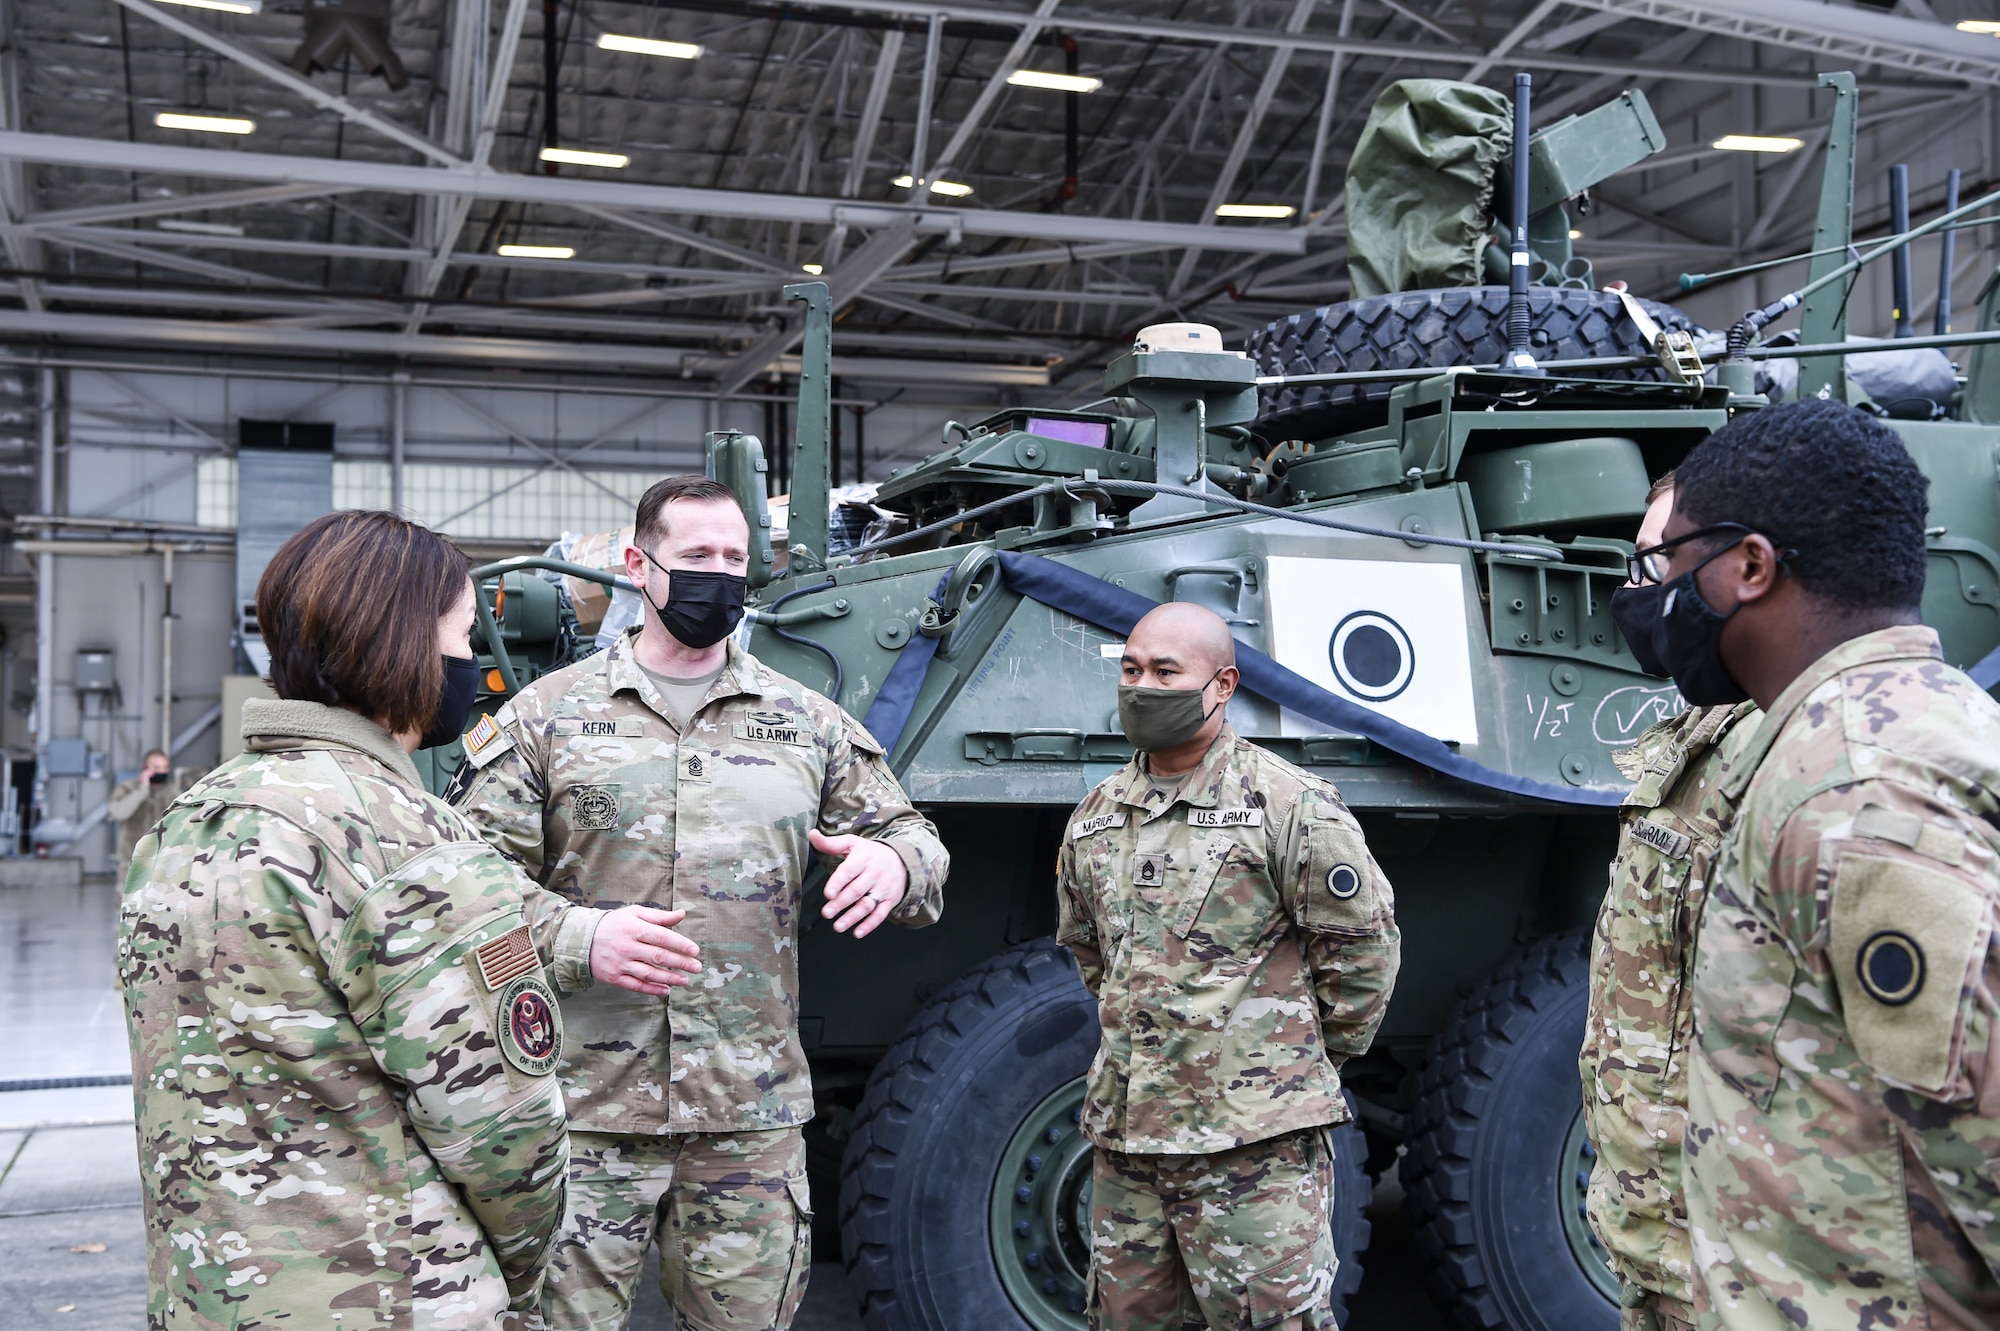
{"x": 965, "y": 1192}
{"x": 1410, "y": 329}
{"x": 1497, "y": 1157}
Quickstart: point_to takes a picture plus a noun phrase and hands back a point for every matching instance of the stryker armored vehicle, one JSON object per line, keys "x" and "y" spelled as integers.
{"x": 1412, "y": 508}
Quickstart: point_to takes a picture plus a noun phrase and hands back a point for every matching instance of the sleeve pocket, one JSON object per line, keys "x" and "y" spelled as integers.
{"x": 1902, "y": 939}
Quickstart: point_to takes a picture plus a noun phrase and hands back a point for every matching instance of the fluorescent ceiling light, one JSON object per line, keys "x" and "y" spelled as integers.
{"x": 813, "y": 268}
{"x": 611, "y": 41}
{"x": 1574, "y": 234}
{"x": 577, "y": 157}
{"x": 198, "y": 228}
{"x": 226, "y": 6}
{"x": 951, "y": 189}
{"x": 1037, "y": 78}
{"x": 1757, "y": 143}
{"x": 1273, "y": 211}
{"x": 204, "y": 124}
{"x": 536, "y": 252}
{"x": 1985, "y": 27}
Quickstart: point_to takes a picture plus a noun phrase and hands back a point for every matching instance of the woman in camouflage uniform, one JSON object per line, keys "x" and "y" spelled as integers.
{"x": 342, "y": 1033}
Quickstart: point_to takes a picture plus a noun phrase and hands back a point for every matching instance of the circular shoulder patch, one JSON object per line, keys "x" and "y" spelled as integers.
{"x": 1343, "y": 881}
{"x": 1891, "y": 967}
{"x": 530, "y": 1028}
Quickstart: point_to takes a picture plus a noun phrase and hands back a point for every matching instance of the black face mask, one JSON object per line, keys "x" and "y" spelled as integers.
{"x": 461, "y": 686}
{"x": 1687, "y": 639}
{"x": 1636, "y": 610}
{"x": 703, "y": 607}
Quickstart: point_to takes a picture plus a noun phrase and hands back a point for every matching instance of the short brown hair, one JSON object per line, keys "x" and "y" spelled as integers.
{"x": 1661, "y": 485}
{"x": 349, "y": 607}
{"x": 649, "y": 528}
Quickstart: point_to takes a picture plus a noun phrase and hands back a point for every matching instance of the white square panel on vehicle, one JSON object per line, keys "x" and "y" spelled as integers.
{"x": 1390, "y": 636}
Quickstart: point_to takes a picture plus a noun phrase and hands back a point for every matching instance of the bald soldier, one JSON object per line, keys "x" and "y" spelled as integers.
{"x": 1241, "y": 942}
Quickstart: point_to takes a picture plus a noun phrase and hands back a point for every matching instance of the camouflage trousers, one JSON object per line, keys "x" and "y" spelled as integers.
{"x": 1234, "y": 1240}
{"x": 729, "y": 1210}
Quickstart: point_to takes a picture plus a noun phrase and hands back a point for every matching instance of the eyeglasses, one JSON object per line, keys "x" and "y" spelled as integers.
{"x": 1650, "y": 564}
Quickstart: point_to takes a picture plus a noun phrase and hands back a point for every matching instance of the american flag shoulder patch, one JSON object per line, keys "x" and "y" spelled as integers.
{"x": 486, "y": 741}
{"x": 505, "y": 958}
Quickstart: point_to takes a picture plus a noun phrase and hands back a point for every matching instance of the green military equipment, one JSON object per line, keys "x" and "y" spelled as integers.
{"x": 1433, "y": 158}
{"x": 1425, "y": 552}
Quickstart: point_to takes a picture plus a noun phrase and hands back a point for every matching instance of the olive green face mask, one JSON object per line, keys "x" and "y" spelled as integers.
{"x": 1156, "y": 719}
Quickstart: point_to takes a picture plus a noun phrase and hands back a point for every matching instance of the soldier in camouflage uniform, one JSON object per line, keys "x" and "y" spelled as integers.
{"x": 675, "y": 768}
{"x": 1844, "y": 1097}
{"x": 1241, "y": 942}
{"x": 1641, "y": 1013}
{"x": 342, "y": 1038}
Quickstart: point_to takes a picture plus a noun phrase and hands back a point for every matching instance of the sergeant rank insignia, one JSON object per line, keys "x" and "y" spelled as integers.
{"x": 592, "y": 808}
{"x": 530, "y": 1031}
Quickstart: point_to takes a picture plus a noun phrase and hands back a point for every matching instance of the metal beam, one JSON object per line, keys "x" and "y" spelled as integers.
{"x": 15, "y": 188}
{"x": 287, "y": 78}
{"x": 1208, "y": 34}
{"x": 996, "y": 83}
{"x": 1246, "y": 133}
{"x": 1502, "y": 48}
{"x": 845, "y": 282}
{"x": 189, "y": 203}
{"x": 1850, "y": 35}
{"x": 692, "y": 239}
{"x": 871, "y": 112}
{"x": 451, "y": 222}
{"x": 461, "y": 182}
{"x": 252, "y": 337}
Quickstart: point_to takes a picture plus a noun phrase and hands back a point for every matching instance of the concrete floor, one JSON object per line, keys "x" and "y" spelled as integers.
{"x": 72, "y": 1247}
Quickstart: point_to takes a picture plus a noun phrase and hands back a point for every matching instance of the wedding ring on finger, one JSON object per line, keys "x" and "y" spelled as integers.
{"x": 870, "y": 894}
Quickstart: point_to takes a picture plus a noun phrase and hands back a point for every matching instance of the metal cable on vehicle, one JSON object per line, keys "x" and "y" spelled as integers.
{"x": 1227, "y": 501}
{"x": 839, "y": 674}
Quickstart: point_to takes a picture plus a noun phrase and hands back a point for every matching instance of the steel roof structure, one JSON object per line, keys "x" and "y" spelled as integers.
{"x": 360, "y": 220}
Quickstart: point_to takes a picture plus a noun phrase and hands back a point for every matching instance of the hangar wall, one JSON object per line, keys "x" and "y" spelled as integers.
{"x": 145, "y": 461}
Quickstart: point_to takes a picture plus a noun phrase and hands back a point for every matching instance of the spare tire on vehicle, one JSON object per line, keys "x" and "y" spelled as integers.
{"x": 1416, "y": 329}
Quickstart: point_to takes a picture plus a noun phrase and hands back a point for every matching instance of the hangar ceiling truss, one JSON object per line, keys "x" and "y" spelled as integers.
{"x": 973, "y": 231}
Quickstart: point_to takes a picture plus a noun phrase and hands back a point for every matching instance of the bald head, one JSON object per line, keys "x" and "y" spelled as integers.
{"x": 1190, "y": 637}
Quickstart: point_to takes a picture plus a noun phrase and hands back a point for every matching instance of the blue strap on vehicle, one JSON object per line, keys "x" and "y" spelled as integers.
{"x": 1096, "y": 601}
{"x": 1985, "y": 671}
{"x": 890, "y": 711}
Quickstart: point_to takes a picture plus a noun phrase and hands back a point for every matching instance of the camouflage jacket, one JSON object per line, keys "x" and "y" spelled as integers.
{"x": 342, "y": 1045}
{"x": 586, "y": 780}
{"x": 1241, "y": 942}
{"x": 1641, "y": 1013}
{"x": 1844, "y": 1099}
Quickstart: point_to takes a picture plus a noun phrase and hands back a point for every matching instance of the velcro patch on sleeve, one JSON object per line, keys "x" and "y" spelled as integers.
{"x": 1225, "y": 818}
{"x": 505, "y": 958}
{"x": 487, "y": 741}
{"x": 1902, "y": 937}
{"x": 1881, "y": 823}
{"x": 1084, "y": 827}
{"x": 1672, "y": 844}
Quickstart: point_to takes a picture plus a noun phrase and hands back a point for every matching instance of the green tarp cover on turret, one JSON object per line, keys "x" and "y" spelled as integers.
{"x": 1420, "y": 185}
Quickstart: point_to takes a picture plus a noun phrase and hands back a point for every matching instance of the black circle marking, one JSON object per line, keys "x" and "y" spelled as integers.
{"x": 1372, "y": 656}
{"x": 1343, "y": 881}
{"x": 1891, "y": 967}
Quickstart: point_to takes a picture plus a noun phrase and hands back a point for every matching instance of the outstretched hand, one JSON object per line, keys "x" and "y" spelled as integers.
{"x": 636, "y": 948}
{"x": 869, "y": 883}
